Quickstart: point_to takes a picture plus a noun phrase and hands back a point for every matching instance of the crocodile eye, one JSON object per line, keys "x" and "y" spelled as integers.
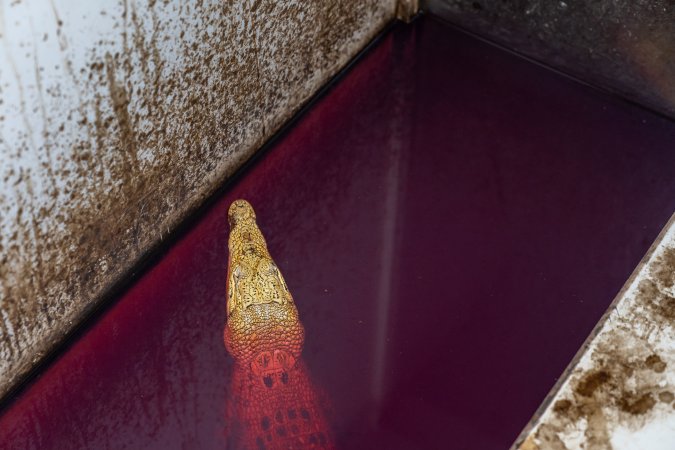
{"x": 268, "y": 381}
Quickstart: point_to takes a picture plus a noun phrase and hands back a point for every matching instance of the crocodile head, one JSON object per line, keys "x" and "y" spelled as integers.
{"x": 263, "y": 329}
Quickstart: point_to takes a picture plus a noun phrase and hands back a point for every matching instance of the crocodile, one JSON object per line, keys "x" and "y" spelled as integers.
{"x": 272, "y": 402}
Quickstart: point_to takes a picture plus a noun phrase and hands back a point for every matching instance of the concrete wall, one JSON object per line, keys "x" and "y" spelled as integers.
{"x": 119, "y": 118}
{"x": 625, "y": 46}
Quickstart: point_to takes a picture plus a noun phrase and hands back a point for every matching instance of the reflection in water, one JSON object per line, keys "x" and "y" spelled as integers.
{"x": 272, "y": 404}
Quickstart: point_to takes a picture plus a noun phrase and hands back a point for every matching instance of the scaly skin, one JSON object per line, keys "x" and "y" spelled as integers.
{"x": 272, "y": 404}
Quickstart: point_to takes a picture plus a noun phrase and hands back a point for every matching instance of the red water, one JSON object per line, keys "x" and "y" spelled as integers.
{"x": 451, "y": 220}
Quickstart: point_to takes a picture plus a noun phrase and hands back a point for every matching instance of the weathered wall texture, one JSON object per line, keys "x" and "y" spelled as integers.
{"x": 117, "y": 119}
{"x": 626, "y": 46}
{"x": 618, "y": 394}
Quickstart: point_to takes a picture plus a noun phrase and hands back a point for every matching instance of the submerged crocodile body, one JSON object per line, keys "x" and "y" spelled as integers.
{"x": 272, "y": 403}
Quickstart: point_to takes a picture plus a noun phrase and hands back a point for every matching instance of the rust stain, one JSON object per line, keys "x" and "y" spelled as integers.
{"x": 666, "y": 397}
{"x": 635, "y": 404}
{"x": 591, "y": 382}
{"x": 655, "y": 363}
{"x": 664, "y": 272}
{"x": 662, "y": 303}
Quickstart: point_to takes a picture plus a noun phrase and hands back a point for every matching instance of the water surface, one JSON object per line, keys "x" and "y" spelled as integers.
{"x": 451, "y": 220}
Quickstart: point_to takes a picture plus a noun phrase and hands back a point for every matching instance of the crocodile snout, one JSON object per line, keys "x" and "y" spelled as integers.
{"x": 262, "y": 317}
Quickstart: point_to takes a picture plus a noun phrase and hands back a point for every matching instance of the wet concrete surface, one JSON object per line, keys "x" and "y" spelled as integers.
{"x": 452, "y": 222}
